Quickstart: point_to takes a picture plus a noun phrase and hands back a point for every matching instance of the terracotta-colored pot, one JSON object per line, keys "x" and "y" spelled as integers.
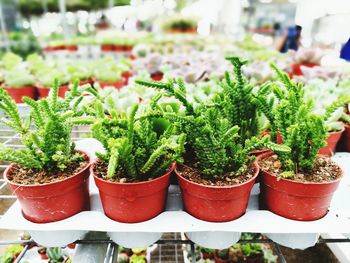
{"x": 44, "y": 92}
{"x": 117, "y": 85}
{"x": 118, "y": 48}
{"x": 216, "y": 203}
{"x": 157, "y": 76}
{"x": 50, "y": 202}
{"x": 220, "y": 260}
{"x": 133, "y": 202}
{"x": 206, "y": 255}
{"x": 296, "y": 68}
{"x": 71, "y": 47}
{"x": 344, "y": 142}
{"x": 304, "y": 201}
{"x": 72, "y": 245}
{"x": 332, "y": 141}
{"x": 126, "y": 76}
{"x": 107, "y": 47}
{"x": 43, "y": 256}
{"x": 18, "y": 93}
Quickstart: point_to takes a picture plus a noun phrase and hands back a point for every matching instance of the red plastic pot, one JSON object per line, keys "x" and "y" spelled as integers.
{"x": 206, "y": 255}
{"x": 72, "y": 245}
{"x": 126, "y": 76}
{"x": 157, "y": 76}
{"x": 216, "y": 203}
{"x": 332, "y": 141}
{"x": 44, "y": 92}
{"x": 117, "y": 85}
{"x": 219, "y": 260}
{"x": 345, "y": 139}
{"x": 18, "y": 93}
{"x": 296, "y": 68}
{"x": 118, "y": 48}
{"x": 133, "y": 202}
{"x": 71, "y": 47}
{"x": 43, "y": 256}
{"x": 107, "y": 47}
{"x": 304, "y": 201}
{"x": 54, "y": 201}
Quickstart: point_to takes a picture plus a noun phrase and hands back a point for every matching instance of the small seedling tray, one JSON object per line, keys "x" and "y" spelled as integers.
{"x": 287, "y": 232}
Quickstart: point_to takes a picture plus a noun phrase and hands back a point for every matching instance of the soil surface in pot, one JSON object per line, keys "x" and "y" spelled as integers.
{"x": 229, "y": 178}
{"x": 325, "y": 170}
{"x": 100, "y": 170}
{"x": 25, "y": 176}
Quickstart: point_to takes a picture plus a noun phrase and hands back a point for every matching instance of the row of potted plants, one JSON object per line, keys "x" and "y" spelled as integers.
{"x": 208, "y": 145}
{"x": 34, "y": 77}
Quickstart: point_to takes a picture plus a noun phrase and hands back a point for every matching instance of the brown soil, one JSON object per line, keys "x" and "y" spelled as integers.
{"x": 195, "y": 175}
{"x": 25, "y": 176}
{"x": 324, "y": 170}
{"x": 100, "y": 170}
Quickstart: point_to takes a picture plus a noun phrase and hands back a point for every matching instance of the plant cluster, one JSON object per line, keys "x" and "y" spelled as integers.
{"x": 134, "y": 150}
{"x": 237, "y": 101}
{"x": 214, "y": 141}
{"x": 48, "y": 143}
{"x": 293, "y": 117}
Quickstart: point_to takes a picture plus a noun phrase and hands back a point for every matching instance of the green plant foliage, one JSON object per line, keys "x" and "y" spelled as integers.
{"x": 237, "y": 101}
{"x": 300, "y": 128}
{"x": 55, "y": 254}
{"x": 133, "y": 148}
{"x": 48, "y": 143}
{"x": 137, "y": 259}
{"x": 213, "y": 140}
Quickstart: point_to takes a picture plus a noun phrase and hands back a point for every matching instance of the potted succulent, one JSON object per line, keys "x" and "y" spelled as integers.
{"x": 108, "y": 77}
{"x": 45, "y": 77}
{"x": 222, "y": 256}
{"x": 207, "y": 253}
{"x": 42, "y": 253}
{"x": 217, "y": 175}
{"x": 19, "y": 83}
{"x": 298, "y": 185}
{"x": 55, "y": 255}
{"x": 48, "y": 172}
{"x": 133, "y": 174}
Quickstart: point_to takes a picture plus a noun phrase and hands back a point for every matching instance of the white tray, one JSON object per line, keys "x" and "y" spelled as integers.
{"x": 174, "y": 219}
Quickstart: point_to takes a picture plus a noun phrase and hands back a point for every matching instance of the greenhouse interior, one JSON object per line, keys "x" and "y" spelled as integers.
{"x": 145, "y": 131}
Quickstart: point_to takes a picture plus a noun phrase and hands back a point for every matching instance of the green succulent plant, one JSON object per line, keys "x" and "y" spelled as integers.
{"x": 48, "y": 144}
{"x": 212, "y": 138}
{"x": 293, "y": 117}
{"x": 133, "y": 147}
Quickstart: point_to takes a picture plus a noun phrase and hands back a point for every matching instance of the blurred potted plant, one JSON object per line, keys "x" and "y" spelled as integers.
{"x": 19, "y": 83}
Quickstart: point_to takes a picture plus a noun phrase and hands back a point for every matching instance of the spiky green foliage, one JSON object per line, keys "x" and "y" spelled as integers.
{"x": 237, "y": 100}
{"x": 211, "y": 137}
{"x": 133, "y": 148}
{"x": 48, "y": 143}
{"x": 55, "y": 254}
{"x": 300, "y": 128}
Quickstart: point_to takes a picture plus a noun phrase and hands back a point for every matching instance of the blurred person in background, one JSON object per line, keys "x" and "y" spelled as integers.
{"x": 345, "y": 51}
{"x": 290, "y": 39}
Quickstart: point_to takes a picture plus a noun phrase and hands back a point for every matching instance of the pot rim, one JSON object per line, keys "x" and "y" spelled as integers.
{"x": 172, "y": 168}
{"x": 336, "y": 132}
{"x": 256, "y": 173}
{"x": 8, "y": 169}
{"x": 263, "y": 156}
